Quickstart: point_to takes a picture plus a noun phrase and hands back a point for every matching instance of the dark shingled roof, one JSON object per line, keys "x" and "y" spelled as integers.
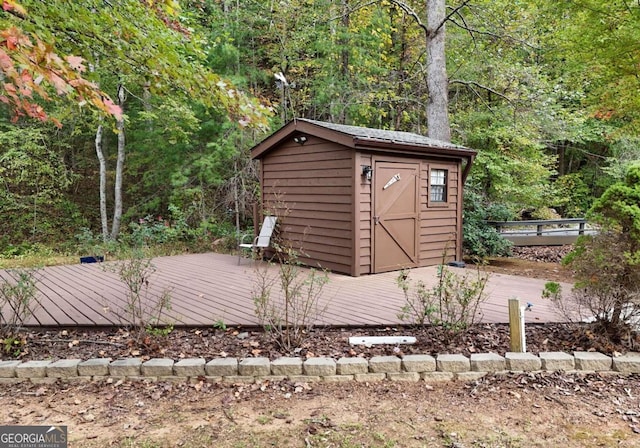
{"x": 382, "y": 135}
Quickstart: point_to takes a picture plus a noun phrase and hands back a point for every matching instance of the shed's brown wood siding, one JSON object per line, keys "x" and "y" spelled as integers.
{"x": 364, "y": 221}
{"x": 439, "y": 225}
{"x": 316, "y": 182}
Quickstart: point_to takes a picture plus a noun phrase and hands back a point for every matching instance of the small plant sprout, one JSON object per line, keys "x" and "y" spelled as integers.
{"x": 552, "y": 291}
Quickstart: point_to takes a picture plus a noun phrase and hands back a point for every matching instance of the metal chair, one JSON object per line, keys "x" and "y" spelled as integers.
{"x": 263, "y": 240}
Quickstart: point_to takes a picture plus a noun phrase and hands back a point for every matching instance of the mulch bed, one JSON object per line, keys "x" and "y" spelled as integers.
{"x": 332, "y": 342}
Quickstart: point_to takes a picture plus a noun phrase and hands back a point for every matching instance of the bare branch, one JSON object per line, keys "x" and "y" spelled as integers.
{"x": 407, "y": 9}
{"x": 466, "y": 28}
{"x": 472, "y": 31}
{"x": 451, "y": 14}
{"x": 472, "y": 84}
{"x": 354, "y": 9}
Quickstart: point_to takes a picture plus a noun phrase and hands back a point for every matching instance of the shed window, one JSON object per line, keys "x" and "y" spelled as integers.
{"x": 438, "y": 185}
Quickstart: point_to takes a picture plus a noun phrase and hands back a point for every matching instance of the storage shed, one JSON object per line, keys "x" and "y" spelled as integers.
{"x": 361, "y": 201}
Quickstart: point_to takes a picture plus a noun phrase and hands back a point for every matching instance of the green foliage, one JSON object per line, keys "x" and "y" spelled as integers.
{"x": 512, "y": 170}
{"x": 220, "y": 325}
{"x": 552, "y": 291}
{"x": 13, "y": 346}
{"x": 159, "y": 331}
{"x": 34, "y": 180}
{"x": 589, "y": 45}
{"x": 482, "y": 240}
{"x": 618, "y": 209}
{"x": 607, "y": 265}
{"x": 625, "y": 152}
{"x": 573, "y": 196}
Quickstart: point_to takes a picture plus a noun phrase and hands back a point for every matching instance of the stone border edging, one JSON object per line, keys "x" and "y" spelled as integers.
{"x": 443, "y": 367}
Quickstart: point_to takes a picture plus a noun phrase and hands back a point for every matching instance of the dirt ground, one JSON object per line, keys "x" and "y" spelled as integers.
{"x": 543, "y": 410}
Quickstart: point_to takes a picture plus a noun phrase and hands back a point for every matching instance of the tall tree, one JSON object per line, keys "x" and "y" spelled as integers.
{"x": 437, "y": 81}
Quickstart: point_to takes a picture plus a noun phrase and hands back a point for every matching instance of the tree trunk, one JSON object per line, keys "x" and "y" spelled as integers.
{"x": 400, "y": 46}
{"x": 437, "y": 82}
{"x": 117, "y": 200}
{"x": 103, "y": 185}
{"x": 146, "y": 103}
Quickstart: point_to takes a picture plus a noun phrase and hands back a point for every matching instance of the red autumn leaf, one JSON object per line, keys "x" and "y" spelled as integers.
{"x": 26, "y": 91}
{"x": 10, "y": 88}
{"x": 112, "y": 108}
{"x": 26, "y": 77}
{"x": 11, "y": 42}
{"x": 5, "y": 61}
{"x": 60, "y": 84}
{"x": 76, "y": 63}
{"x": 11, "y": 5}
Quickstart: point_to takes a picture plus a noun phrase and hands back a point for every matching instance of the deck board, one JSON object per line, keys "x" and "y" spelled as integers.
{"x": 207, "y": 288}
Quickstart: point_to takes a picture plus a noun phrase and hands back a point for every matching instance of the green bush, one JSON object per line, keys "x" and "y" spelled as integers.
{"x": 607, "y": 265}
{"x": 573, "y": 195}
{"x": 480, "y": 239}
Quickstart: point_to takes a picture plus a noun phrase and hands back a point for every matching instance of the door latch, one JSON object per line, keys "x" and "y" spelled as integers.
{"x": 376, "y": 220}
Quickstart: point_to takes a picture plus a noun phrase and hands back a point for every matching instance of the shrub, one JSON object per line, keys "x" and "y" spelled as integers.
{"x": 482, "y": 240}
{"x": 286, "y": 295}
{"x": 144, "y": 312}
{"x": 607, "y": 288}
{"x": 288, "y": 314}
{"x": 17, "y": 303}
{"x": 452, "y": 303}
{"x": 607, "y": 265}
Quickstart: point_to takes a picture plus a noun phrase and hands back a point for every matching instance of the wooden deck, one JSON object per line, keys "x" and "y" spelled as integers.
{"x": 207, "y": 288}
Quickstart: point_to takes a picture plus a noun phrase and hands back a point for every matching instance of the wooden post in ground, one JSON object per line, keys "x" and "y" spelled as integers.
{"x": 515, "y": 328}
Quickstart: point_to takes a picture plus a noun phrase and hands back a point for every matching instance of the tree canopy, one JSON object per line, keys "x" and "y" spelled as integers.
{"x": 547, "y": 92}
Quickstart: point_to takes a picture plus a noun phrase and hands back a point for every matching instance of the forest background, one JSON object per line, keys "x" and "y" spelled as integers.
{"x": 131, "y": 120}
